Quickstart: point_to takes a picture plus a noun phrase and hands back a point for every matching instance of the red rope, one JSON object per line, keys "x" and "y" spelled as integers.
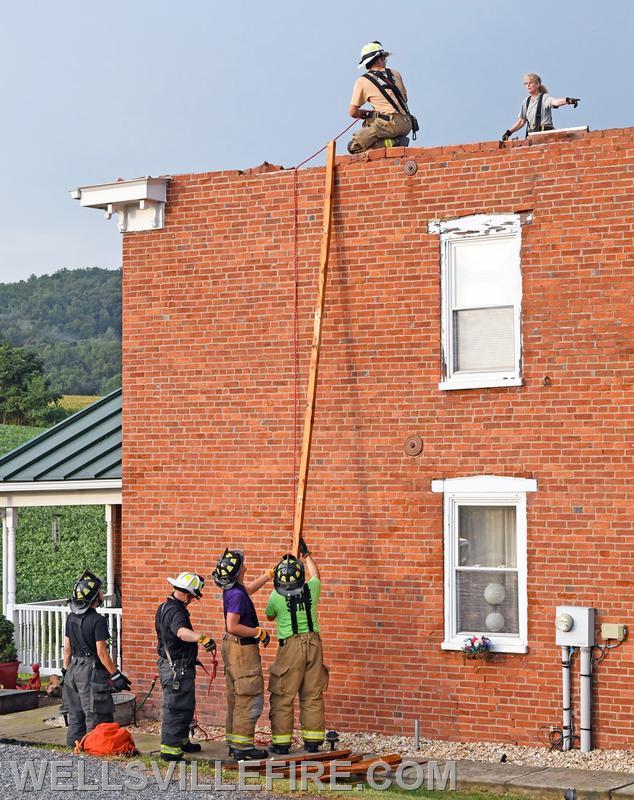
{"x": 295, "y": 317}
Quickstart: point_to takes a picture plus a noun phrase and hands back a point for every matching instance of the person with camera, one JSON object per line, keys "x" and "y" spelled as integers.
{"x": 90, "y": 675}
{"x": 178, "y": 654}
{"x": 389, "y": 121}
{"x": 536, "y": 110}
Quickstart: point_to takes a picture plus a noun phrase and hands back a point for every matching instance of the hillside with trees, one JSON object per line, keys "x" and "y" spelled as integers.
{"x": 72, "y": 321}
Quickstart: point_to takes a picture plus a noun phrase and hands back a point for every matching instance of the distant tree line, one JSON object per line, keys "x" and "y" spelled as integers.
{"x": 71, "y": 321}
{"x": 26, "y": 396}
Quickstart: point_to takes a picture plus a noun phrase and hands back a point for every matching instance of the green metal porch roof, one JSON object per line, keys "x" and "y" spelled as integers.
{"x": 85, "y": 446}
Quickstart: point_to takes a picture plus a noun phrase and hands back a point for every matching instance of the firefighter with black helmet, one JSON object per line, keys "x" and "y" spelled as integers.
{"x": 178, "y": 653}
{"x": 241, "y": 653}
{"x": 89, "y": 675}
{"x": 299, "y": 668}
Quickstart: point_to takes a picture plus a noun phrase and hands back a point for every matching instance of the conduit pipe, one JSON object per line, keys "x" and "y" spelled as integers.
{"x": 585, "y": 685}
{"x": 566, "y": 727}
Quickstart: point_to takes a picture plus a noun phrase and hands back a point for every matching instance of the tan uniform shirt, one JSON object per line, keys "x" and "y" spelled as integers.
{"x": 366, "y": 92}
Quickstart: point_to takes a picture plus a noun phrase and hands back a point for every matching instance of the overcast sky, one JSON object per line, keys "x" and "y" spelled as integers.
{"x": 93, "y": 91}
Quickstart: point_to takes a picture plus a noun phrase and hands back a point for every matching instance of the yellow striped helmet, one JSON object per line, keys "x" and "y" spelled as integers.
{"x": 85, "y": 592}
{"x": 289, "y": 577}
{"x": 227, "y": 569}
{"x": 189, "y": 582}
{"x": 371, "y": 51}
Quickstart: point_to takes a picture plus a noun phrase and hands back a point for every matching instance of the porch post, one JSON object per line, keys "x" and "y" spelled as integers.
{"x": 109, "y": 557}
{"x": 5, "y": 561}
{"x": 11, "y": 523}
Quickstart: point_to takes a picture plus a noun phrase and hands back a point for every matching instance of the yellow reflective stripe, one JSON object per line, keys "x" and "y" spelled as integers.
{"x": 388, "y": 142}
{"x": 313, "y": 734}
{"x": 282, "y": 738}
{"x": 234, "y": 737}
{"x": 173, "y": 751}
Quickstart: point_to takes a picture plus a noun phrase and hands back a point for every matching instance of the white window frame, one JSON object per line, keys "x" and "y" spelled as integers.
{"x": 484, "y": 490}
{"x": 479, "y": 229}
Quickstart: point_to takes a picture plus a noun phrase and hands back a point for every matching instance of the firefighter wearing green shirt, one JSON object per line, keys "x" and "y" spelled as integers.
{"x": 298, "y": 669}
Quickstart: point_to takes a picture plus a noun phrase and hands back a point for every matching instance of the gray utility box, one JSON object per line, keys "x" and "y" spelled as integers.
{"x": 574, "y": 626}
{"x": 14, "y": 700}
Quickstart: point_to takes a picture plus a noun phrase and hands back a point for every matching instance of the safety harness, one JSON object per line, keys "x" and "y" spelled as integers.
{"x": 537, "y": 126}
{"x": 384, "y": 80}
{"x": 295, "y": 603}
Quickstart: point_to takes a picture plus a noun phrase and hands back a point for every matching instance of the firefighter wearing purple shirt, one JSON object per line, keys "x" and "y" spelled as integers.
{"x": 241, "y": 654}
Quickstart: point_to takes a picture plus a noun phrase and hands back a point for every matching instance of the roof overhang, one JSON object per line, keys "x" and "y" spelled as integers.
{"x": 139, "y": 203}
{"x": 60, "y": 493}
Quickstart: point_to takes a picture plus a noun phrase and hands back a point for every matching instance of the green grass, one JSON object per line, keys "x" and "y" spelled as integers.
{"x": 12, "y": 436}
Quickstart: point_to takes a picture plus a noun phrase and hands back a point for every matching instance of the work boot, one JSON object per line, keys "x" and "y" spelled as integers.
{"x": 172, "y": 757}
{"x": 401, "y": 141}
{"x": 312, "y": 747}
{"x": 280, "y": 749}
{"x": 250, "y": 754}
{"x": 191, "y": 747}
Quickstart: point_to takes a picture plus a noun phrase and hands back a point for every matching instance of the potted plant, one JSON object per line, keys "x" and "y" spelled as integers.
{"x": 476, "y": 647}
{"x": 8, "y": 655}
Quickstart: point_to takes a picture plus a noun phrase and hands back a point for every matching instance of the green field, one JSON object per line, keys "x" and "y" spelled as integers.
{"x": 75, "y": 402}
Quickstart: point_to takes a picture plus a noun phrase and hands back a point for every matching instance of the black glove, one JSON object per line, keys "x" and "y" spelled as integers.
{"x": 572, "y": 101}
{"x": 119, "y": 681}
{"x": 303, "y": 549}
{"x": 264, "y": 637}
{"x": 208, "y": 643}
{"x": 506, "y": 136}
{"x": 61, "y": 680}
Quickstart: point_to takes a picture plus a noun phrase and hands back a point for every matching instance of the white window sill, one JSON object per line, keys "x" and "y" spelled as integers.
{"x": 478, "y": 382}
{"x": 499, "y": 646}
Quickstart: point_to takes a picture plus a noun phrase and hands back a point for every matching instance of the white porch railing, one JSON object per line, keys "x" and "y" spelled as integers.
{"x": 39, "y": 634}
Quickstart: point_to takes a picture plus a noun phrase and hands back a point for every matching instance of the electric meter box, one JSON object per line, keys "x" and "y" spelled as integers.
{"x": 581, "y": 632}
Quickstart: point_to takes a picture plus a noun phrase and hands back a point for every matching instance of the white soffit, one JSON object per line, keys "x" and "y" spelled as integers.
{"x": 139, "y": 203}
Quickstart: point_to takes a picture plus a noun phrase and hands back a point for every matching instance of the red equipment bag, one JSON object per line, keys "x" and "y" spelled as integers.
{"x": 107, "y": 739}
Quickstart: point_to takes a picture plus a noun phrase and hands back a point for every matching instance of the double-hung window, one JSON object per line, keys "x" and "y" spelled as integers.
{"x": 481, "y": 288}
{"x": 485, "y": 560}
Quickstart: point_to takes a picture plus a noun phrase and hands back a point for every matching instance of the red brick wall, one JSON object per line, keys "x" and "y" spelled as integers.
{"x": 208, "y": 388}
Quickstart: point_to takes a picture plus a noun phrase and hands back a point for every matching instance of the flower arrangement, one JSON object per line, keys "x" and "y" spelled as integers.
{"x": 476, "y": 646}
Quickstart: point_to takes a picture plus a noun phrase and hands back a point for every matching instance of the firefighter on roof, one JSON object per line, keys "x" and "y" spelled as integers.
{"x": 178, "y": 652}
{"x": 241, "y": 654}
{"x": 89, "y": 675}
{"x": 389, "y": 121}
{"x": 298, "y": 668}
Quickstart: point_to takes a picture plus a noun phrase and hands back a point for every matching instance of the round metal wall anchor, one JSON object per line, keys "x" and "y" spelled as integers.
{"x": 410, "y": 168}
{"x": 413, "y": 445}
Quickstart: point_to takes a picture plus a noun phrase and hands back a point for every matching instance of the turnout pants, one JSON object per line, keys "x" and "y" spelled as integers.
{"x": 375, "y": 131}
{"x": 245, "y": 691}
{"x": 87, "y": 696}
{"x": 179, "y": 702}
{"x": 298, "y": 670}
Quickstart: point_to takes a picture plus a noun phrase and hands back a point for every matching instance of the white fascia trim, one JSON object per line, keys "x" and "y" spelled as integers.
{"x": 475, "y": 225}
{"x": 103, "y": 194}
{"x": 477, "y": 382}
{"x": 493, "y": 484}
{"x": 58, "y": 486}
{"x": 497, "y": 645}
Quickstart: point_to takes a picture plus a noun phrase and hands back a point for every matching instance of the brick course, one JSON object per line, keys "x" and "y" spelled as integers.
{"x": 208, "y": 419}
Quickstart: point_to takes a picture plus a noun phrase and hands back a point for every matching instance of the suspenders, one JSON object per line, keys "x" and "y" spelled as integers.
{"x": 384, "y": 81}
{"x": 294, "y": 602}
{"x": 538, "y": 114}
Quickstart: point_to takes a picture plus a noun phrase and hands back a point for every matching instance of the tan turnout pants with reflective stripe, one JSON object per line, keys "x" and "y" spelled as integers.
{"x": 374, "y": 131}
{"x": 298, "y": 670}
{"x": 245, "y": 691}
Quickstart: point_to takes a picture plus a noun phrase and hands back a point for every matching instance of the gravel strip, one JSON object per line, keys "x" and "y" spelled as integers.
{"x": 438, "y": 750}
{"x": 83, "y": 777}
{"x": 612, "y": 760}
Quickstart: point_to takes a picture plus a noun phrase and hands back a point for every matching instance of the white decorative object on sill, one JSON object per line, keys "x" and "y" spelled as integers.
{"x": 139, "y": 203}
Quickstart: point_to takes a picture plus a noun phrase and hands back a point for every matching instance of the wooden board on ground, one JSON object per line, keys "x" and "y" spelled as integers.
{"x": 282, "y": 761}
